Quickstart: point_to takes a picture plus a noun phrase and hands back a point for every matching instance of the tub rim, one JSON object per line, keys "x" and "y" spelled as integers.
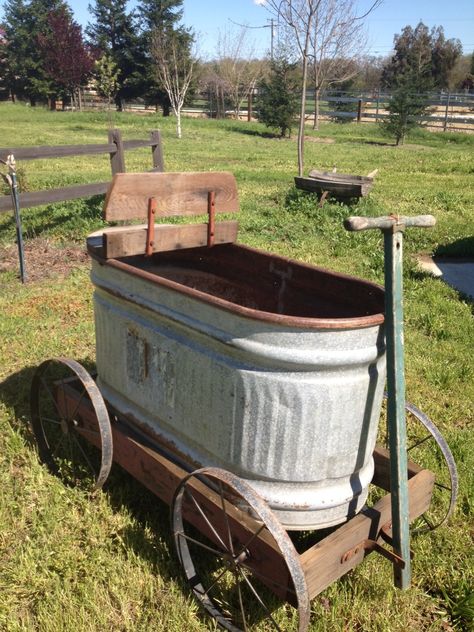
{"x": 300, "y": 322}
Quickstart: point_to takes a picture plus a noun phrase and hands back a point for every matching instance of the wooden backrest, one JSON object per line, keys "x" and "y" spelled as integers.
{"x": 181, "y": 193}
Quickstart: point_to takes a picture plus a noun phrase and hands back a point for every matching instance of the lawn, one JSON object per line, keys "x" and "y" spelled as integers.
{"x": 72, "y": 562}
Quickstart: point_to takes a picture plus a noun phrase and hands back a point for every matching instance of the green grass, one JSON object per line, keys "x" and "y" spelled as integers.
{"x": 72, "y": 562}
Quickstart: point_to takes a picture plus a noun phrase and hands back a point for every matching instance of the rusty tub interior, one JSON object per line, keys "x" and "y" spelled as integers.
{"x": 234, "y": 357}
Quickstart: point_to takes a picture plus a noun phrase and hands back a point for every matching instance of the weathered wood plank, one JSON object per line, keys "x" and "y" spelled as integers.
{"x": 382, "y": 468}
{"x": 322, "y": 563}
{"x": 37, "y": 198}
{"x": 175, "y": 193}
{"x": 131, "y": 240}
{"x": 55, "y": 151}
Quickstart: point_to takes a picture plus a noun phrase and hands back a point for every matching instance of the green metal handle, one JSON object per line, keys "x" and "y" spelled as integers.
{"x": 390, "y": 222}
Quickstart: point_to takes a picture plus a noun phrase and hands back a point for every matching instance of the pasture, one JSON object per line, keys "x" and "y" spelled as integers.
{"x": 71, "y": 562}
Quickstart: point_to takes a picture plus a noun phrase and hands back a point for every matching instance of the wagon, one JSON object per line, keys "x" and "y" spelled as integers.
{"x": 242, "y": 388}
{"x": 341, "y": 186}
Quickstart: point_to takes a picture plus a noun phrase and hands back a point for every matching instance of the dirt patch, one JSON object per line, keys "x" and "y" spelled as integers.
{"x": 43, "y": 259}
{"x": 317, "y": 139}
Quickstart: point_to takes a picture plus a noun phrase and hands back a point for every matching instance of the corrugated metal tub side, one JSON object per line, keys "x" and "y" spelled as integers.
{"x": 289, "y": 403}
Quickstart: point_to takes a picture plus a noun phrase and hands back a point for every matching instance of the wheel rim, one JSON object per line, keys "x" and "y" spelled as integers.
{"x": 427, "y": 447}
{"x": 70, "y": 423}
{"x": 227, "y": 569}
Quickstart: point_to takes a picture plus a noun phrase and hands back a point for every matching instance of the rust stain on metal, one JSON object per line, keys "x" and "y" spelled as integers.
{"x": 242, "y": 280}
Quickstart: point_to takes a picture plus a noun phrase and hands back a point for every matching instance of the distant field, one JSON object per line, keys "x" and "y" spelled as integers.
{"x": 72, "y": 563}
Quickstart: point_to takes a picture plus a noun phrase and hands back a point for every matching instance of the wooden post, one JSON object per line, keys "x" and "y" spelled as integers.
{"x": 157, "y": 151}
{"x": 249, "y": 107}
{"x": 359, "y": 110}
{"x": 445, "y": 124}
{"x": 377, "y": 107}
{"x": 117, "y": 158}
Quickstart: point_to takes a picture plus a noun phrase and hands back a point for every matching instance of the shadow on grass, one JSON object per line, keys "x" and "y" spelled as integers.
{"x": 460, "y": 248}
{"x": 64, "y": 218}
{"x": 254, "y": 132}
{"x": 148, "y": 534}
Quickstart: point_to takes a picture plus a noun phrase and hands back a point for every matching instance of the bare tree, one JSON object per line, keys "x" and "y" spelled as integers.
{"x": 237, "y": 67}
{"x": 174, "y": 63}
{"x": 300, "y": 17}
{"x": 338, "y": 38}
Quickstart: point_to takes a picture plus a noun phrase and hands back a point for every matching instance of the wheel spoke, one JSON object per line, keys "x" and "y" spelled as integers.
{"x": 50, "y": 421}
{"x": 252, "y": 538}
{"x": 199, "y": 508}
{"x": 216, "y": 581}
{"x": 226, "y": 518}
{"x": 415, "y": 445}
{"x": 271, "y": 582}
{"x": 259, "y": 599}
{"x": 200, "y": 544}
{"x": 65, "y": 400}
{"x": 51, "y": 396}
{"x": 55, "y": 451}
{"x": 91, "y": 467}
{"x": 84, "y": 430}
{"x": 242, "y": 609}
{"x": 441, "y": 486}
{"x": 84, "y": 391}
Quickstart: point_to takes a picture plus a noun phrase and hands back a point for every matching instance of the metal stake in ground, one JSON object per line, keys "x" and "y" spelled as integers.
{"x": 392, "y": 228}
{"x": 10, "y": 179}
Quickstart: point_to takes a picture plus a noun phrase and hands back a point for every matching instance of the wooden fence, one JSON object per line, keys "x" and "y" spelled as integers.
{"x": 115, "y": 148}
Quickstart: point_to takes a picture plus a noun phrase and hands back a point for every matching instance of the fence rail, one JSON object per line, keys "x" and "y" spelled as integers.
{"x": 115, "y": 148}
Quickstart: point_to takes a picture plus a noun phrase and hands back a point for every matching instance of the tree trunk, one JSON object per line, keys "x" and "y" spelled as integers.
{"x": 302, "y": 117}
{"x": 317, "y": 95}
{"x": 303, "y": 100}
{"x": 79, "y": 96}
{"x": 166, "y": 109}
{"x": 178, "y": 122}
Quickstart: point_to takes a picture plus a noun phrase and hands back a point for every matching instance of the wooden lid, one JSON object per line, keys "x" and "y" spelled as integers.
{"x": 179, "y": 193}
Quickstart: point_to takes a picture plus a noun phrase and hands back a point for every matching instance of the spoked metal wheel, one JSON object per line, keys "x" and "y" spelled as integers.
{"x": 239, "y": 560}
{"x": 71, "y": 423}
{"x": 427, "y": 448}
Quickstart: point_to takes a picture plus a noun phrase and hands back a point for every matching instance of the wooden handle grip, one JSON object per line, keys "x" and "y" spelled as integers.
{"x": 388, "y": 222}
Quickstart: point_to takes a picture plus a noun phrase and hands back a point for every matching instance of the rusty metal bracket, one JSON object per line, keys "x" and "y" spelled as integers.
{"x": 211, "y": 223}
{"x": 372, "y": 545}
{"x": 150, "y": 230}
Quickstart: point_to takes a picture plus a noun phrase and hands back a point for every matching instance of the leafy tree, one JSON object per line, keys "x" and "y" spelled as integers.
{"x": 114, "y": 32}
{"x": 422, "y": 52}
{"x": 23, "y": 22}
{"x": 405, "y": 107}
{"x": 278, "y": 100}
{"x": 67, "y": 60}
{"x": 106, "y": 76}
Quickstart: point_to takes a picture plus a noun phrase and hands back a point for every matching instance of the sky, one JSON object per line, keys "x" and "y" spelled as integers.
{"x": 209, "y": 17}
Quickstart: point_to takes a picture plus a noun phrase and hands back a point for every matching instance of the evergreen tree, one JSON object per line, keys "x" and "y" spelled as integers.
{"x": 157, "y": 16}
{"x": 24, "y": 22}
{"x": 407, "y": 104}
{"x": 278, "y": 97}
{"x": 422, "y": 53}
{"x": 114, "y": 32}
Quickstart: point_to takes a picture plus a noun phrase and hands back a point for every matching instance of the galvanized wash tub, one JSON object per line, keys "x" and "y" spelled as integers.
{"x": 267, "y": 367}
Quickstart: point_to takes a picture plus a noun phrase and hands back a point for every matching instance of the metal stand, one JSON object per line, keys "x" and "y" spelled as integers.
{"x": 392, "y": 228}
{"x": 10, "y": 179}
